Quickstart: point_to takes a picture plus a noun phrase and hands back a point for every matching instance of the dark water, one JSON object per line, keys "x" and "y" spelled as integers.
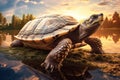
{"x": 109, "y": 37}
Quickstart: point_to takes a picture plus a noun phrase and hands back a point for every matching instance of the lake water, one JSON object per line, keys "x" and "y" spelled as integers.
{"x": 110, "y": 39}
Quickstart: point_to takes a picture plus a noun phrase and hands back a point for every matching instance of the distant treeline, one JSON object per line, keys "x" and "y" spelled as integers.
{"x": 18, "y": 23}
{"x": 114, "y": 22}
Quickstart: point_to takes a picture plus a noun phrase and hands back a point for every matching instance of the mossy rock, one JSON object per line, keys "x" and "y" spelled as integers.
{"x": 73, "y": 65}
{"x": 76, "y": 60}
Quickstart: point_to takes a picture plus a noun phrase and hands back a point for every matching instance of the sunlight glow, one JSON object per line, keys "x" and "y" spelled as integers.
{"x": 7, "y": 41}
{"x": 75, "y": 15}
{"x": 108, "y": 45}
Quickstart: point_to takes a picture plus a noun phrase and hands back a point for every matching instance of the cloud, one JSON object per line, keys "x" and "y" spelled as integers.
{"x": 35, "y": 7}
{"x": 3, "y": 2}
{"x": 7, "y": 7}
{"x": 106, "y": 6}
{"x": 78, "y": 8}
{"x": 21, "y": 10}
{"x": 42, "y": 2}
{"x": 110, "y": 3}
{"x": 9, "y": 12}
{"x": 103, "y": 3}
{"x": 64, "y": 4}
{"x": 26, "y": 1}
{"x": 7, "y": 4}
{"x": 34, "y": 1}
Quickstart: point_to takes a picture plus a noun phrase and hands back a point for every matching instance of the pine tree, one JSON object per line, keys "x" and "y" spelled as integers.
{"x": 116, "y": 20}
{"x": 16, "y": 22}
{"x": 105, "y": 23}
{"x": 23, "y": 20}
{"x": 4, "y": 21}
{"x": 1, "y": 18}
{"x": 13, "y": 21}
{"x": 31, "y": 17}
{"x": 115, "y": 16}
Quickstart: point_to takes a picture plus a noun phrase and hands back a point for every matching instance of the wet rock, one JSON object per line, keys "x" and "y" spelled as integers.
{"x": 11, "y": 69}
{"x": 97, "y": 74}
{"x": 75, "y": 66}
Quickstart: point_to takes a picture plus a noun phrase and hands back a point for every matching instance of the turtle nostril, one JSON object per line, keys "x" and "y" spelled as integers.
{"x": 101, "y": 14}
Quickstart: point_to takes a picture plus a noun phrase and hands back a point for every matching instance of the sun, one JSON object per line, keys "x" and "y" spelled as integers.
{"x": 79, "y": 13}
{"x": 76, "y": 15}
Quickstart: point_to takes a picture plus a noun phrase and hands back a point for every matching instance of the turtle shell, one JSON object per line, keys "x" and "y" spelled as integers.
{"x": 47, "y": 28}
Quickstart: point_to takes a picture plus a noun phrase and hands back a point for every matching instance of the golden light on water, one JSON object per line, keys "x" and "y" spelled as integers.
{"x": 108, "y": 44}
{"x": 7, "y": 41}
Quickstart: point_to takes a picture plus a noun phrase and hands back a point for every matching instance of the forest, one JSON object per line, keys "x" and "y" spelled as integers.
{"x": 17, "y": 22}
{"x": 114, "y": 22}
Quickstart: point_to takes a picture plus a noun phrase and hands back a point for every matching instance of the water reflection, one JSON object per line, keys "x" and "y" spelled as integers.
{"x": 113, "y": 33}
{"x": 6, "y": 37}
{"x": 109, "y": 37}
{"x": 5, "y": 40}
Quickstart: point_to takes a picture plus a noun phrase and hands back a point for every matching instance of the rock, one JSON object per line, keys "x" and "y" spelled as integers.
{"x": 97, "y": 74}
{"x": 11, "y": 69}
{"x": 77, "y": 65}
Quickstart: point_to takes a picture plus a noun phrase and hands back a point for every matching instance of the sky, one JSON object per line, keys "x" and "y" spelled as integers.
{"x": 80, "y": 9}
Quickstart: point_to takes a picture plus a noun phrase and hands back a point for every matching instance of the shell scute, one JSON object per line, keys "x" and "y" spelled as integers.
{"x": 47, "y": 28}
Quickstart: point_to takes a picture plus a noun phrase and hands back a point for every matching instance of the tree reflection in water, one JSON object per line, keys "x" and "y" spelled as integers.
{"x": 113, "y": 33}
{"x": 108, "y": 37}
{"x": 6, "y": 37}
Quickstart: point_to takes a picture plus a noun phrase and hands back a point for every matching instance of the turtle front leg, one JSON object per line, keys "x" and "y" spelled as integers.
{"x": 57, "y": 55}
{"x": 95, "y": 44}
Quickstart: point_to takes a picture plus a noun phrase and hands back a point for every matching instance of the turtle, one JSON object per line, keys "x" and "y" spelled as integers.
{"x": 59, "y": 33}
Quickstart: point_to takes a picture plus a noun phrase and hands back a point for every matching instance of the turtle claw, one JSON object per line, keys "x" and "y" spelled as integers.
{"x": 55, "y": 58}
{"x": 50, "y": 66}
{"x": 47, "y": 66}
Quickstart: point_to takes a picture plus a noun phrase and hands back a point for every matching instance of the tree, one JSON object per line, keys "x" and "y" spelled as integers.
{"x": 116, "y": 20}
{"x": 13, "y": 21}
{"x": 26, "y": 18}
{"x": 1, "y": 17}
{"x": 23, "y": 20}
{"x": 16, "y": 22}
{"x": 115, "y": 16}
{"x": 4, "y": 21}
{"x": 31, "y": 17}
{"x": 105, "y": 23}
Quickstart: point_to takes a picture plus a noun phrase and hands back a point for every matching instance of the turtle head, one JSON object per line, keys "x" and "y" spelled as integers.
{"x": 90, "y": 25}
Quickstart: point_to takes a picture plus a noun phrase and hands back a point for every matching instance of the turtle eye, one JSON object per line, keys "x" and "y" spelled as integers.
{"x": 94, "y": 16}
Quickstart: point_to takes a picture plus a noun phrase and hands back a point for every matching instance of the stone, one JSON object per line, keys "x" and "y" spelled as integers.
{"x": 12, "y": 69}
